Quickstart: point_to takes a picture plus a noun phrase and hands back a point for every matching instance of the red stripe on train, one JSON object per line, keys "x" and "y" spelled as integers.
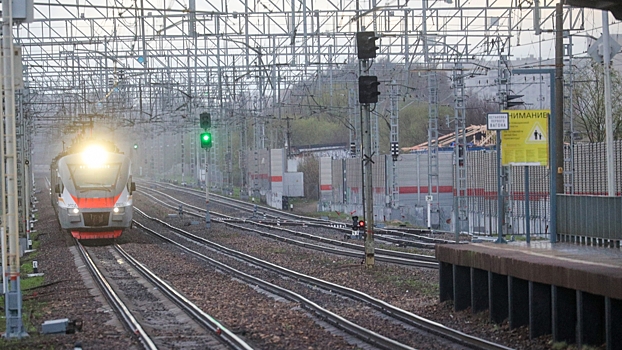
{"x": 97, "y": 234}
{"x": 107, "y": 202}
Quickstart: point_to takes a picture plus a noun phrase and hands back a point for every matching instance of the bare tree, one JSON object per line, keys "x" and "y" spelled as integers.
{"x": 589, "y": 102}
{"x": 310, "y": 167}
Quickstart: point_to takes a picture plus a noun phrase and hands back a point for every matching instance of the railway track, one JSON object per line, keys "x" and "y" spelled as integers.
{"x": 408, "y": 237}
{"x": 327, "y": 244}
{"x": 390, "y": 311}
{"x": 158, "y": 315}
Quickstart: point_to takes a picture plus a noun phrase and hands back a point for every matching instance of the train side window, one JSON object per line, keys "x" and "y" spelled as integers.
{"x": 57, "y": 189}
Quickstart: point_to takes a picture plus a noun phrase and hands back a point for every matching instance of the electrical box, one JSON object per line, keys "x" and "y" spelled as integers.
{"x": 18, "y": 76}
{"x": 23, "y": 10}
{"x": 55, "y": 326}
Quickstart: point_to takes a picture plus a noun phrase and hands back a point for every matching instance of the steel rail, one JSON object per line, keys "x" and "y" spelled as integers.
{"x": 232, "y": 340}
{"x": 116, "y": 302}
{"x": 384, "y": 307}
{"x": 319, "y": 222}
{"x": 336, "y": 320}
{"x": 384, "y": 255}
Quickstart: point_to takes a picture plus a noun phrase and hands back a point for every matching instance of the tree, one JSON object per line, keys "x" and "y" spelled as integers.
{"x": 310, "y": 167}
{"x": 588, "y": 102}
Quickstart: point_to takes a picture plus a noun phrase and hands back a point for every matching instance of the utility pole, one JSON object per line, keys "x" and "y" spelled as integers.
{"x": 461, "y": 214}
{"x": 368, "y": 94}
{"x": 433, "y": 175}
{"x": 611, "y": 184}
{"x": 205, "y": 122}
{"x": 395, "y": 148}
{"x": 556, "y": 123}
{"x": 10, "y": 262}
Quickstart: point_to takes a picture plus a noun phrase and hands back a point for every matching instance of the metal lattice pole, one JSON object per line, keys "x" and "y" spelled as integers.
{"x": 395, "y": 133}
{"x": 13, "y": 297}
{"x": 461, "y": 214}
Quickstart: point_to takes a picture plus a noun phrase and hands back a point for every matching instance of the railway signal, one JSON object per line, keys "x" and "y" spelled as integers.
{"x": 395, "y": 150}
{"x": 368, "y": 89}
{"x": 205, "y": 120}
{"x": 361, "y": 225}
{"x": 366, "y": 45}
{"x": 509, "y": 101}
{"x": 206, "y": 140}
{"x": 355, "y": 223}
{"x": 135, "y": 146}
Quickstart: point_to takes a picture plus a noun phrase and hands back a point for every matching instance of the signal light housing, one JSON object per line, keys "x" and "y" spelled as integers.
{"x": 361, "y": 224}
{"x": 366, "y": 45}
{"x": 368, "y": 89}
{"x": 355, "y": 223}
{"x": 509, "y": 101}
{"x": 395, "y": 150}
{"x": 205, "y": 120}
{"x": 206, "y": 140}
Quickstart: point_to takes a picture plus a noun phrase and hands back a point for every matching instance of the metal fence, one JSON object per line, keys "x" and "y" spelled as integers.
{"x": 591, "y": 220}
{"x": 585, "y": 176}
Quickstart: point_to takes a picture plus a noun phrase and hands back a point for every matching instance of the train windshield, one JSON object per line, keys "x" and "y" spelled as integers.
{"x": 102, "y": 177}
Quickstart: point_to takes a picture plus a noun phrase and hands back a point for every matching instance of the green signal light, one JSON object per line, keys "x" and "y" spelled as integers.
{"x": 135, "y": 146}
{"x": 206, "y": 140}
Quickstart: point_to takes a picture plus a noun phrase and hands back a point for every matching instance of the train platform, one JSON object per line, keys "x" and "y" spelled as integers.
{"x": 573, "y": 292}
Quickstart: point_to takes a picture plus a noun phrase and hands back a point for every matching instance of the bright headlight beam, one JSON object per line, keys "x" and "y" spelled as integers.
{"x": 94, "y": 156}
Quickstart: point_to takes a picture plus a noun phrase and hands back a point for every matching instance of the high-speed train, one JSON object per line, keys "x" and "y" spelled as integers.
{"x": 91, "y": 188}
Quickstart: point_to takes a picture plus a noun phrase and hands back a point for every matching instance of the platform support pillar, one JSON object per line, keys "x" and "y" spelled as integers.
{"x": 498, "y": 297}
{"x": 591, "y": 319}
{"x": 613, "y": 320}
{"x": 462, "y": 295}
{"x": 479, "y": 290}
{"x": 564, "y": 314}
{"x": 518, "y": 301}
{"x": 446, "y": 286}
{"x": 539, "y": 309}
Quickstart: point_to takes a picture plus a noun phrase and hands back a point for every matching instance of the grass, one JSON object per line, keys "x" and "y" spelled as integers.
{"x": 30, "y": 307}
{"x": 523, "y": 238}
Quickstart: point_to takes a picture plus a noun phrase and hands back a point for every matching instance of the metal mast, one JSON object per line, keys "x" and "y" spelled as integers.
{"x": 460, "y": 155}
{"x": 433, "y": 181}
{"x": 395, "y": 133}
{"x": 11, "y": 266}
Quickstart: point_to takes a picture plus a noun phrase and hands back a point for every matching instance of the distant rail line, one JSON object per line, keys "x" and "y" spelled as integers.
{"x": 258, "y": 226}
{"x": 388, "y": 309}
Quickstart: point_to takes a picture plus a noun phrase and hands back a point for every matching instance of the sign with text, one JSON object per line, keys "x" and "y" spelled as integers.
{"x": 526, "y": 141}
{"x": 497, "y": 121}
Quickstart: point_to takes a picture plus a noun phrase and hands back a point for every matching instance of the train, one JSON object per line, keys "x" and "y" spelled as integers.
{"x": 91, "y": 190}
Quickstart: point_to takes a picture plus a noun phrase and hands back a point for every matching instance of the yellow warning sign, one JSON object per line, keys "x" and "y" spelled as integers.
{"x": 526, "y": 141}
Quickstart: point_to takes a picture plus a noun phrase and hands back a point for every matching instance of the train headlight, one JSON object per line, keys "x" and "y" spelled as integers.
{"x": 74, "y": 215}
{"x": 94, "y": 156}
{"x": 118, "y": 213}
